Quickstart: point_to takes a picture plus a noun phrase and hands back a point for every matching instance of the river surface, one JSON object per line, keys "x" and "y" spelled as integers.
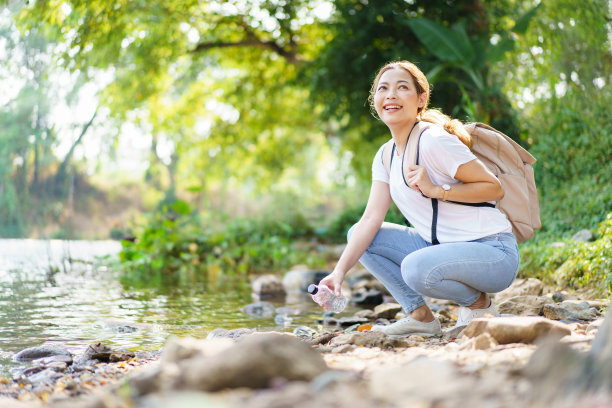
{"x": 57, "y": 292}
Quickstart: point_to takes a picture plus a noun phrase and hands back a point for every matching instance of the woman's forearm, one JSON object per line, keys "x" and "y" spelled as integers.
{"x": 471, "y": 192}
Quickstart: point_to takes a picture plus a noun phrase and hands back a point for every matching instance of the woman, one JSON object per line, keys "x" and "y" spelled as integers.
{"x": 477, "y": 254}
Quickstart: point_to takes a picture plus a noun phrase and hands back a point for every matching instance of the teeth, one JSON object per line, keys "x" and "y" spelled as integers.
{"x": 392, "y": 107}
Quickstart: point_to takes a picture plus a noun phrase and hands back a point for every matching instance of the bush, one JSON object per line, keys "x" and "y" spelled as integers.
{"x": 176, "y": 246}
{"x": 572, "y": 264}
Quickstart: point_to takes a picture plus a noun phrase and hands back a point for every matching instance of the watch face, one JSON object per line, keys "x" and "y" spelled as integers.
{"x": 445, "y": 187}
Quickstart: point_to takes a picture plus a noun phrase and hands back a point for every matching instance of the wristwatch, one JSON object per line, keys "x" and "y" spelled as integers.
{"x": 446, "y": 189}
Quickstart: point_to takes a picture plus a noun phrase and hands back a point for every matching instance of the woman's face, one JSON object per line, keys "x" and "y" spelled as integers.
{"x": 396, "y": 99}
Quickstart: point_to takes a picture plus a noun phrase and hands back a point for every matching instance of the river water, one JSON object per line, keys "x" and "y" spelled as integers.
{"x": 56, "y": 292}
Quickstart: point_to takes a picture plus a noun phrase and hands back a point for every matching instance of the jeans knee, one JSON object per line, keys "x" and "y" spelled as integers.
{"x": 419, "y": 275}
{"x": 410, "y": 275}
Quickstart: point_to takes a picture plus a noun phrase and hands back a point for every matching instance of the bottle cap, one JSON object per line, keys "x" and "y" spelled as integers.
{"x": 312, "y": 289}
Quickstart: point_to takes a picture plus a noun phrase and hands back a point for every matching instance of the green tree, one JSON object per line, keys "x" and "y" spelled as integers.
{"x": 230, "y": 67}
{"x": 449, "y": 40}
{"x": 34, "y": 182}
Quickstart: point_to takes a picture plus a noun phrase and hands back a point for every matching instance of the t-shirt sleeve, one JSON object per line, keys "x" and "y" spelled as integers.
{"x": 445, "y": 152}
{"x": 379, "y": 173}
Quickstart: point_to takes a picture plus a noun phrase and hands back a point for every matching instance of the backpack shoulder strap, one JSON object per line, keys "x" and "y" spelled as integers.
{"x": 411, "y": 152}
{"x": 387, "y": 155}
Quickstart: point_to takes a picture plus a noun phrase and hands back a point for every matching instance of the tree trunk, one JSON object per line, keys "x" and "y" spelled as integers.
{"x": 60, "y": 177}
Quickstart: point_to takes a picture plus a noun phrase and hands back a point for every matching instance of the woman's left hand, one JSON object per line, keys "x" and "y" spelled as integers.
{"x": 418, "y": 179}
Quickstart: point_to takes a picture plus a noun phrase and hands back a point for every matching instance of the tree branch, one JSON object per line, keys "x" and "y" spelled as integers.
{"x": 252, "y": 40}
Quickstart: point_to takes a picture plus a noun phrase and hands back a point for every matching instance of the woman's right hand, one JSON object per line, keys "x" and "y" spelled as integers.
{"x": 334, "y": 282}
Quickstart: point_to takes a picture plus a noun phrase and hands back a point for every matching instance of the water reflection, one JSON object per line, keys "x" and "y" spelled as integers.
{"x": 59, "y": 292}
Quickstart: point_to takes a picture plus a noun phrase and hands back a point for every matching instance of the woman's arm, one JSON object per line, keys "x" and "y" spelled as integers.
{"x": 363, "y": 234}
{"x": 478, "y": 183}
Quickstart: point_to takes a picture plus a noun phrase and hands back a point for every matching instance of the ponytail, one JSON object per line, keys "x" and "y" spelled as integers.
{"x": 453, "y": 126}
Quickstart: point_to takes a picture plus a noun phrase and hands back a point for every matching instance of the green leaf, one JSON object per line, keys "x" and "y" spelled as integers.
{"x": 498, "y": 51}
{"x": 520, "y": 27}
{"x": 180, "y": 207}
{"x": 445, "y": 43}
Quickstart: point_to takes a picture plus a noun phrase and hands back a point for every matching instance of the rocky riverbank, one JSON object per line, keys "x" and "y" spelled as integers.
{"x": 548, "y": 348}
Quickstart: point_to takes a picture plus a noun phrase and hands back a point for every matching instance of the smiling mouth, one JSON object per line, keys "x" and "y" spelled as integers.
{"x": 392, "y": 107}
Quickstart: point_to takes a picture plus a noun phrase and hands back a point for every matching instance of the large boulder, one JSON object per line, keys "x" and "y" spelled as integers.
{"x": 387, "y": 310}
{"x": 268, "y": 287}
{"x": 520, "y": 329}
{"x": 521, "y": 287}
{"x": 525, "y": 305}
{"x": 252, "y": 363}
{"x": 34, "y": 353}
{"x": 570, "y": 309}
{"x": 563, "y": 375}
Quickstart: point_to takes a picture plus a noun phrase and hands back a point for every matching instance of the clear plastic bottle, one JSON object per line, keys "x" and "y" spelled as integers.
{"x": 327, "y": 299}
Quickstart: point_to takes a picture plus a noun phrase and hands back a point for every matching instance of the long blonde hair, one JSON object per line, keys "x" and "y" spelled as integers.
{"x": 434, "y": 116}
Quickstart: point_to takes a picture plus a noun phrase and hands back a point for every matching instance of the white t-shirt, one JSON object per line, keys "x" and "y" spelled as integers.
{"x": 441, "y": 153}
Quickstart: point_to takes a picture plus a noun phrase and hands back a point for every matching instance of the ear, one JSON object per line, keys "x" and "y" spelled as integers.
{"x": 422, "y": 99}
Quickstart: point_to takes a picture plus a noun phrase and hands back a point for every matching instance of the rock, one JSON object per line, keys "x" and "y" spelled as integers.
{"x": 64, "y": 359}
{"x": 178, "y": 349}
{"x": 260, "y": 309}
{"x": 268, "y": 287}
{"x": 298, "y": 280}
{"x": 523, "y": 329}
{"x": 560, "y": 373}
{"x": 269, "y": 356}
{"x": 366, "y": 313}
{"x": 100, "y": 352}
{"x": 180, "y": 399}
{"x": 282, "y": 320}
{"x": 351, "y": 320}
{"x": 521, "y": 287}
{"x": 483, "y": 341}
{"x": 304, "y": 332}
{"x": 46, "y": 376}
{"x": 560, "y": 296}
{"x": 584, "y": 235}
{"x": 34, "y": 353}
{"x": 233, "y": 334}
{"x": 321, "y": 338}
{"x": 453, "y": 332}
{"x": 525, "y": 305}
{"x": 601, "y": 348}
{"x": 593, "y": 327}
{"x": 570, "y": 309}
{"x": 365, "y": 297}
{"x": 117, "y": 326}
{"x": 421, "y": 380}
{"x": 6, "y": 402}
{"x": 369, "y": 339}
{"x": 387, "y": 310}
{"x": 145, "y": 381}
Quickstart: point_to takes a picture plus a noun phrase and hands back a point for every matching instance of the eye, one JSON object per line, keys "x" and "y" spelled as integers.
{"x": 381, "y": 88}
{"x": 403, "y": 87}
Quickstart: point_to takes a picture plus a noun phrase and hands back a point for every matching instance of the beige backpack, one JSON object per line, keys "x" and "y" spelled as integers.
{"x": 511, "y": 163}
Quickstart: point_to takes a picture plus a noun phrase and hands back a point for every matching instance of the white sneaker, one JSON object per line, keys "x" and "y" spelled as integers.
{"x": 465, "y": 315}
{"x": 409, "y": 326}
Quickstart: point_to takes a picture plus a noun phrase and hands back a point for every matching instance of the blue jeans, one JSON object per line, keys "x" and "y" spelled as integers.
{"x": 411, "y": 267}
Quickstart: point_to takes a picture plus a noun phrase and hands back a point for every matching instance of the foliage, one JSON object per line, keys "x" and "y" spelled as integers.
{"x": 212, "y": 83}
{"x": 174, "y": 245}
{"x": 573, "y": 264}
{"x": 366, "y": 35}
{"x": 466, "y": 62}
